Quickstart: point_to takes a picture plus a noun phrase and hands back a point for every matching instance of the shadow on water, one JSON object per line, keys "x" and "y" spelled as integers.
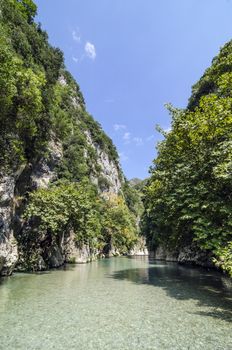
{"x": 209, "y": 288}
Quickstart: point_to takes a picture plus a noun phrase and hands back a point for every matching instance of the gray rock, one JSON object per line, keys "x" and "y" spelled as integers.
{"x": 55, "y": 257}
{"x": 140, "y": 248}
{"x": 78, "y": 254}
{"x": 36, "y": 176}
{"x": 44, "y": 172}
{"x": 190, "y": 254}
{"x": 8, "y": 245}
{"x": 109, "y": 169}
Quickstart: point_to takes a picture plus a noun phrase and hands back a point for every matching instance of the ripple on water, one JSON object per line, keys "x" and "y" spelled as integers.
{"x": 119, "y": 303}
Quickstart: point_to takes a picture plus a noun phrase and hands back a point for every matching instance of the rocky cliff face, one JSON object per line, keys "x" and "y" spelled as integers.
{"x": 110, "y": 177}
{"x": 49, "y": 141}
{"x": 140, "y": 249}
{"x": 186, "y": 255}
{"x": 104, "y": 172}
{"x": 8, "y": 245}
{"x": 35, "y": 176}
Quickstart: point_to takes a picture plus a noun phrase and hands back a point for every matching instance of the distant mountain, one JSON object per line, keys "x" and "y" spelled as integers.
{"x": 137, "y": 183}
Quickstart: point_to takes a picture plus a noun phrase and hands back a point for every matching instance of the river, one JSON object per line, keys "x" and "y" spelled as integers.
{"x": 119, "y": 303}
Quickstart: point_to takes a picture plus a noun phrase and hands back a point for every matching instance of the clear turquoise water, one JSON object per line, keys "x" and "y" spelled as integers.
{"x": 119, "y": 303}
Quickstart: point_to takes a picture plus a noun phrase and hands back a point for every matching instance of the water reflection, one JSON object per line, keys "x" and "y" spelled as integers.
{"x": 118, "y": 303}
{"x": 208, "y": 288}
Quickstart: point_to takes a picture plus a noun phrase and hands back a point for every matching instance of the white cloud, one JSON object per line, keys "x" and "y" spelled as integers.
{"x": 150, "y": 138}
{"x": 127, "y": 137}
{"x": 123, "y": 157}
{"x": 138, "y": 141}
{"x": 118, "y": 127}
{"x": 75, "y": 59}
{"x": 90, "y": 50}
{"x": 76, "y": 36}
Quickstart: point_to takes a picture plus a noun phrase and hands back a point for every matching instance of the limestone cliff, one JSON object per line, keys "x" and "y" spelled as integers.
{"x": 8, "y": 245}
{"x": 47, "y": 137}
{"x": 14, "y": 188}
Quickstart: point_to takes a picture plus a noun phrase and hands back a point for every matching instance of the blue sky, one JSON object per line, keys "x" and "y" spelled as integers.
{"x": 130, "y": 57}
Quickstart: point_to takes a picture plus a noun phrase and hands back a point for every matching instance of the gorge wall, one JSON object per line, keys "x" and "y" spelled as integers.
{"x": 63, "y": 196}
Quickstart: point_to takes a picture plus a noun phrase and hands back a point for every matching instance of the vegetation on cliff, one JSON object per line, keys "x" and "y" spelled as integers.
{"x": 102, "y": 225}
{"x": 189, "y": 196}
{"x": 40, "y": 102}
{"x": 39, "y": 98}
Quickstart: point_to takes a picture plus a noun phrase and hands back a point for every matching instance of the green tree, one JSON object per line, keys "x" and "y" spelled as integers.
{"x": 188, "y": 197}
{"x": 28, "y": 8}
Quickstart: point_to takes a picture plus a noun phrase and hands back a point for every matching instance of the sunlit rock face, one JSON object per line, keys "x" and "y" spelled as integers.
{"x": 109, "y": 173}
{"x": 8, "y": 245}
{"x": 33, "y": 177}
{"x": 140, "y": 248}
{"x": 12, "y": 189}
{"x": 45, "y": 171}
{"x": 75, "y": 253}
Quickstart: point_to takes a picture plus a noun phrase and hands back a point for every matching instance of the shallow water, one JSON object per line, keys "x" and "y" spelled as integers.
{"x": 119, "y": 303}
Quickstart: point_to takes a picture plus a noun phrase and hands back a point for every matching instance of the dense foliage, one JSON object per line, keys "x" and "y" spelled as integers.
{"x": 189, "y": 196}
{"x": 104, "y": 225}
{"x": 29, "y": 66}
{"x": 133, "y": 197}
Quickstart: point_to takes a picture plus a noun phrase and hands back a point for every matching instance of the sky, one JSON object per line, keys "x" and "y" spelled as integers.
{"x": 130, "y": 57}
